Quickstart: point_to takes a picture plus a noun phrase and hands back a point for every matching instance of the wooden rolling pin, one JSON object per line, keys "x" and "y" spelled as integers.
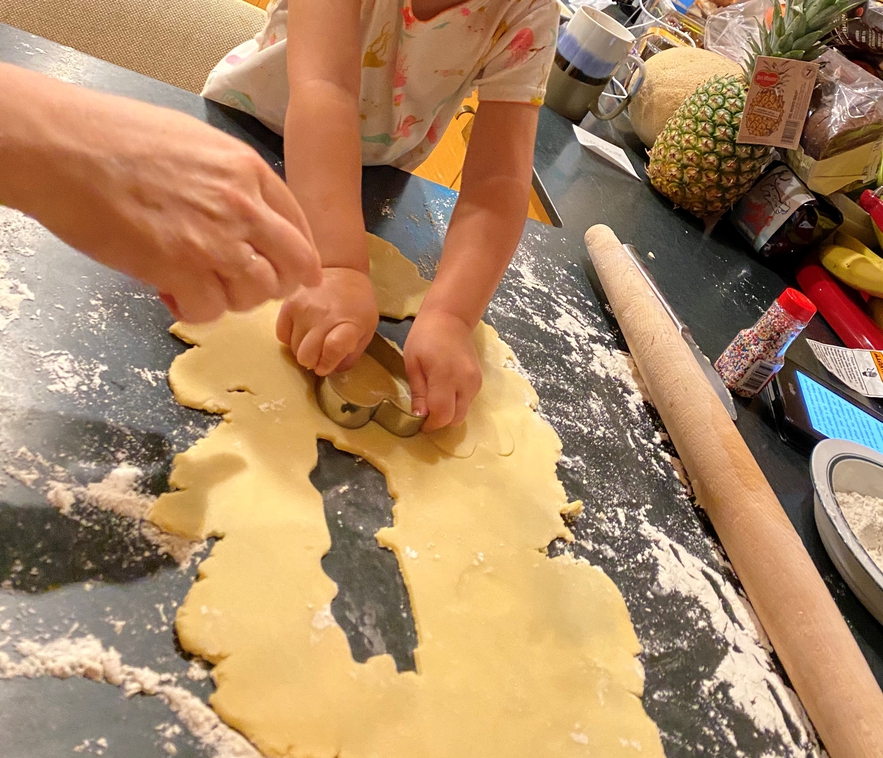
{"x": 817, "y": 649}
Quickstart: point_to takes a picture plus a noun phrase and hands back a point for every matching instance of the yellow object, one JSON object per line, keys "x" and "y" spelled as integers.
{"x": 672, "y": 76}
{"x": 445, "y": 163}
{"x": 845, "y": 240}
{"x": 519, "y": 654}
{"x": 862, "y": 271}
{"x": 842, "y": 172}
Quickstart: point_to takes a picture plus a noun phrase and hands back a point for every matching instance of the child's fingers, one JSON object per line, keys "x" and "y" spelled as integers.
{"x": 441, "y": 400}
{"x": 470, "y": 384}
{"x": 461, "y": 408}
{"x": 340, "y": 343}
{"x": 309, "y": 350}
{"x": 417, "y": 383}
{"x": 347, "y": 363}
{"x": 285, "y": 323}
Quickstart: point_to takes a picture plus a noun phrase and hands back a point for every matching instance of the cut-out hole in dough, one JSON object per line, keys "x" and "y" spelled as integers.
{"x": 395, "y": 330}
{"x": 372, "y": 605}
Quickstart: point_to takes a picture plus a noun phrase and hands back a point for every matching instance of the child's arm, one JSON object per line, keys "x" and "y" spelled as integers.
{"x": 484, "y": 231}
{"x": 153, "y": 193}
{"x": 328, "y": 326}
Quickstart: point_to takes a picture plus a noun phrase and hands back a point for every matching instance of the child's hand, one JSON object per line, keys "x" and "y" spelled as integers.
{"x": 329, "y": 326}
{"x": 443, "y": 368}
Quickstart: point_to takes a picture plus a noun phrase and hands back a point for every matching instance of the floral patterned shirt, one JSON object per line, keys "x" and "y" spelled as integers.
{"x": 415, "y": 74}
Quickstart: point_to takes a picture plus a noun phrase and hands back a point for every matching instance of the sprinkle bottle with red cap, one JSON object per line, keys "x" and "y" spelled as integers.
{"x": 757, "y": 353}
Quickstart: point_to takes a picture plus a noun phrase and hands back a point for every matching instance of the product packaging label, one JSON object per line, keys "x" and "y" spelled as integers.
{"x": 861, "y": 370}
{"x": 758, "y": 376}
{"x": 769, "y": 204}
{"x": 777, "y": 102}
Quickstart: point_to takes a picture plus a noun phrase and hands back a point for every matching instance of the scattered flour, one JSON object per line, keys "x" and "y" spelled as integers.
{"x": 116, "y": 493}
{"x": 322, "y": 619}
{"x": 12, "y": 294}
{"x": 746, "y": 670}
{"x": 198, "y": 671}
{"x": 92, "y": 747}
{"x": 87, "y": 658}
{"x": 153, "y": 377}
{"x": 60, "y": 497}
{"x": 17, "y": 232}
{"x": 70, "y": 375}
{"x": 864, "y": 514}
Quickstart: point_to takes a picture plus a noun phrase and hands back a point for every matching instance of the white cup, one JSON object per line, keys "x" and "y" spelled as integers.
{"x": 591, "y": 49}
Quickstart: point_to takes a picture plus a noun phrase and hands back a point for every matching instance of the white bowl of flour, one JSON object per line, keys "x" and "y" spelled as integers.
{"x": 848, "y": 483}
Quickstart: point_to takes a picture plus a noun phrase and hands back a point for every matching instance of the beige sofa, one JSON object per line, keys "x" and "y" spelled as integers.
{"x": 175, "y": 41}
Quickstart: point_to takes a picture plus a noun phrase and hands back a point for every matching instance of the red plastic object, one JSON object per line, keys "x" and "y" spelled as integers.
{"x": 872, "y": 204}
{"x": 797, "y": 305}
{"x": 839, "y": 308}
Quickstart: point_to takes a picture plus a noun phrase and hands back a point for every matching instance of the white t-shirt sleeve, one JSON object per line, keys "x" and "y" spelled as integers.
{"x": 517, "y": 66}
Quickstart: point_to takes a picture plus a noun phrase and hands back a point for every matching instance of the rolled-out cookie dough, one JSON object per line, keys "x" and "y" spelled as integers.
{"x": 519, "y": 655}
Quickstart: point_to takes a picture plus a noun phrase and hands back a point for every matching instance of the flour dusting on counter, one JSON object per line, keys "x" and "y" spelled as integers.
{"x": 616, "y": 452}
{"x": 116, "y": 493}
{"x": 87, "y": 658}
{"x": 14, "y": 226}
{"x": 746, "y": 672}
{"x": 12, "y": 294}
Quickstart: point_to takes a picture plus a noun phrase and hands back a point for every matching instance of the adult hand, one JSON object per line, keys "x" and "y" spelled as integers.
{"x": 443, "y": 368}
{"x": 329, "y": 326}
{"x": 155, "y": 194}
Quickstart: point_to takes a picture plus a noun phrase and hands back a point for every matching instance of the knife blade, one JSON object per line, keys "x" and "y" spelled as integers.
{"x": 711, "y": 374}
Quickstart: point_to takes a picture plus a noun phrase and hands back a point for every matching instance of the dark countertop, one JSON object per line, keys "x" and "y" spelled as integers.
{"x": 717, "y": 288}
{"x": 55, "y": 573}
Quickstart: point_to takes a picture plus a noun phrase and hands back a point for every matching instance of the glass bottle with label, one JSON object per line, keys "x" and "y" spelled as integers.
{"x": 779, "y": 215}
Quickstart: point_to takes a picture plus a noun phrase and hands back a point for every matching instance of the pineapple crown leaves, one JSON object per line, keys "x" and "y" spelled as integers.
{"x": 798, "y": 32}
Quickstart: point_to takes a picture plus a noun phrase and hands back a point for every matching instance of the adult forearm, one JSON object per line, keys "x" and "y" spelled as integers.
{"x": 484, "y": 231}
{"x": 29, "y": 137}
{"x": 323, "y": 165}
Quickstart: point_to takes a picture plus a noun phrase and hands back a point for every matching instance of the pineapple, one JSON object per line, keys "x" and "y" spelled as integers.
{"x": 695, "y": 161}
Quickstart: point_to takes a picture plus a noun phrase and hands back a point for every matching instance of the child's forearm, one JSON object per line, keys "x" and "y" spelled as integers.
{"x": 323, "y": 164}
{"x": 489, "y": 216}
{"x": 484, "y": 231}
{"x": 323, "y": 149}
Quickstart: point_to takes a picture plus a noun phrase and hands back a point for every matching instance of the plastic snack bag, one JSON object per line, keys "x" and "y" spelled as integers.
{"x": 846, "y": 110}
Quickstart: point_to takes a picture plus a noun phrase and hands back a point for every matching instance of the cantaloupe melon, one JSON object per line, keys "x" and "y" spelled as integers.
{"x": 672, "y": 76}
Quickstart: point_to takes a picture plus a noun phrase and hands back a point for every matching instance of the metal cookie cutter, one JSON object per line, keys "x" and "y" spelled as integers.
{"x": 387, "y": 412}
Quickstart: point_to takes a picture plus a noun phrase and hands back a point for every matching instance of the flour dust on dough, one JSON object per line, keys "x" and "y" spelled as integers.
{"x": 519, "y": 655}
